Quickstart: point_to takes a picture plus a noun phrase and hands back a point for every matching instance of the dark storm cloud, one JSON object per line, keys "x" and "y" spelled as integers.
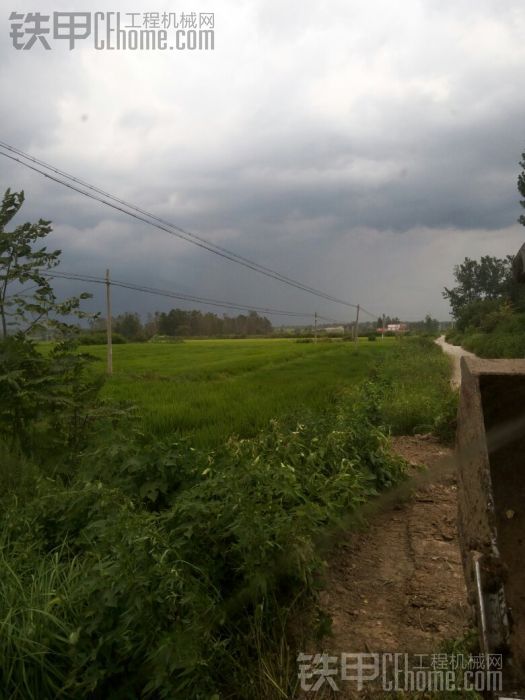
{"x": 329, "y": 145}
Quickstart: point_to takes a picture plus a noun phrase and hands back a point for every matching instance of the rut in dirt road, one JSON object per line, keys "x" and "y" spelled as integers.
{"x": 398, "y": 586}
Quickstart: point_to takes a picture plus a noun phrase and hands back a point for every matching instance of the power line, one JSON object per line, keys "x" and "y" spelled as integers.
{"x": 92, "y": 279}
{"x": 158, "y": 222}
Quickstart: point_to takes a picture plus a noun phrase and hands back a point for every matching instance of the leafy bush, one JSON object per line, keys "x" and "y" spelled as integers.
{"x": 100, "y": 338}
{"x": 471, "y": 316}
{"x": 96, "y": 600}
{"x": 454, "y": 337}
{"x": 416, "y": 396}
{"x": 45, "y": 399}
{"x": 152, "y": 562}
{"x": 496, "y": 345}
{"x": 158, "y": 570}
{"x": 498, "y": 331}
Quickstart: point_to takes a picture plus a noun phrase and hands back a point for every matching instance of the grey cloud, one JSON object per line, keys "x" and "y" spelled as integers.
{"x": 325, "y": 144}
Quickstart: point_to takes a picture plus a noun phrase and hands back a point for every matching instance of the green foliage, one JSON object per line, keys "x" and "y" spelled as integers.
{"x": 416, "y": 394}
{"x": 492, "y": 329}
{"x": 100, "y": 338}
{"x": 488, "y": 306}
{"x": 496, "y": 345}
{"x": 96, "y": 600}
{"x": 472, "y": 316}
{"x": 179, "y": 322}
{"x": 28, "y": 309}
{"x": 488, "y": 279}
{"x": 146, "y": 568}
{"x": 129, "y": 326}
{"x": 45, "y": 400}
{"x": 214, "y": 388}
{"x": 144, "y": 573}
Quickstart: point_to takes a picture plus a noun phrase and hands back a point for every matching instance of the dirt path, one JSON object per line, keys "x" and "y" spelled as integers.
{"x": 398, "y": 586}
{"x": 456, "y": 353}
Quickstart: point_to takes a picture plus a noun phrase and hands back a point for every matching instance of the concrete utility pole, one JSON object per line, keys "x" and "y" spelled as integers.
{"x": 108, "y": 325}
{"x": 383, "y": 328}
{"x": 315, "y": 327}
{"x": 356, "y": 329}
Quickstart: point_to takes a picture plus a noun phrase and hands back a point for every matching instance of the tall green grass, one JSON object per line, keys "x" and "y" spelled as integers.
{"x": 415, "y": 382}
{"x": 144, "y": 573}
{"x": 161, "y": 569}
{"x": 212, "y": 389}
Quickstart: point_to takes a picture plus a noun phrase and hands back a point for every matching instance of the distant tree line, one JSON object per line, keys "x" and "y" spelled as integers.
{"x": 181, "y": 323}
{"x": 427, "y": 325}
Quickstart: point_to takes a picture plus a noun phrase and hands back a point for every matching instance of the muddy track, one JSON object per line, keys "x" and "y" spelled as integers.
{"x": 397, "y": 585}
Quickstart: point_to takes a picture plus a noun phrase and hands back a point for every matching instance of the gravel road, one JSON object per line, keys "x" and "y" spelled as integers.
{"x": 456, "y": 353}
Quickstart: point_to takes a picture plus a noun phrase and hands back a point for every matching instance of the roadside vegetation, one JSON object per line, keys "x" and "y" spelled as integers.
{"x": 160, "y": 569}
{"x": 488, "y": 301}
{"x": 165, "y": 563}
{"x": 489, "y": 309}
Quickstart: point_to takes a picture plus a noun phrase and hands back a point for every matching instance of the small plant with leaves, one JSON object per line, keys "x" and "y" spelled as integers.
{"x": 27, "y": 301}
{"x": 43, "y": 397}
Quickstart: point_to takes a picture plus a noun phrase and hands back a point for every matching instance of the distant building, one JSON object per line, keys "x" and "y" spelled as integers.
{"x": 394, "y": 328}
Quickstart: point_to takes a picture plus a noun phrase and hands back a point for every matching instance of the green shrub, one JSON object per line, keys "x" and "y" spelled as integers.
{"x": 100, "y": 339}
{"x": 159, "y": 570}
{"x": 454, "y": 337}
{"x": 496, "y": 345}
{"x": 96, "y": 600}
{"x": 471, "y": 316}
{"x": 416, "y": 394}
{"x": 152, "y": 562}
{"x": 46, "y": 399}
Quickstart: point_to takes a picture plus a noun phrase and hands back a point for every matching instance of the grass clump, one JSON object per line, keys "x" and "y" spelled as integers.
{"x": 138, "y": 567}
{"x": 154, "y": 570}
{"x": 415, "y": 392}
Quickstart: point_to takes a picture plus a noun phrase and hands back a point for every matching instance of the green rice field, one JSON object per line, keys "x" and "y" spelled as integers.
{"x": 215, "y": 388}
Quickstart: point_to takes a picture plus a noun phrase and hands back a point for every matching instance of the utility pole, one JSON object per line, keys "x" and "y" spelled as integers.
{"x": 315, "y": 327}
{"x": 383, "y": 328}
{"x": 356, "y": 329}
{"x": 108, "y": 325}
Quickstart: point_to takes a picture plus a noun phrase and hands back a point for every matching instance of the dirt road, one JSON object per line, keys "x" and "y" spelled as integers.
{"x": 456, "y": 353}
{"x": 398, "y": 585}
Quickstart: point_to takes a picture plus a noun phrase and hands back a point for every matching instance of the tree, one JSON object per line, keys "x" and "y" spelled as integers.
{"x": 431, "y": 325}
{"x": 130, "y": 326}
{"x": 191, "y": 323}
{"x": 27, "y": 299}
{"x": 151, "y": 327}
{"x": 490, "y": 278}
{"x": 45, "y": 398}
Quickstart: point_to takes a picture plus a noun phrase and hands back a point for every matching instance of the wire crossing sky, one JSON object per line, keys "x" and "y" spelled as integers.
{"x": 354, "y": 153}
{"x": 92, "y": 279}
{"x": 109, "y": 200}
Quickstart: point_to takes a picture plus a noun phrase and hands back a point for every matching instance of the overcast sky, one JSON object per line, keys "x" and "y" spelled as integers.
{"x": 363, "y": 148}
